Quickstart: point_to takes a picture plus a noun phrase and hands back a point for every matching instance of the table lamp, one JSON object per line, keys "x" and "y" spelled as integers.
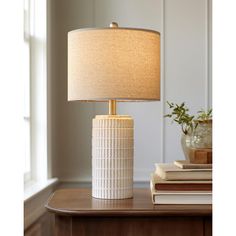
{"x": 113, "y": 65}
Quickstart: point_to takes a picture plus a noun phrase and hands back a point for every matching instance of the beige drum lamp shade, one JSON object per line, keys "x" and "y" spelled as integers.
{"x": 113, "y": 64}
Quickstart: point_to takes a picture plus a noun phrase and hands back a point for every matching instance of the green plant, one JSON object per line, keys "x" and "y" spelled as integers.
{"x": 180, "y": 114}
{"x": 204, "y": 115}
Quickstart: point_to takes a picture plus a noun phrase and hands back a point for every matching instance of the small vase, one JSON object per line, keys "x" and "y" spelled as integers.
{"x": 197, "y": 144}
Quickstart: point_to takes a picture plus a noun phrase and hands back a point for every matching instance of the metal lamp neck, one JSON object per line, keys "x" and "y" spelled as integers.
{"x": 112, "y": 107}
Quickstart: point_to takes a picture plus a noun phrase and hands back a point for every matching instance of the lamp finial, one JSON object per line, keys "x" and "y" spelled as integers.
{"x": 113, "y": 25}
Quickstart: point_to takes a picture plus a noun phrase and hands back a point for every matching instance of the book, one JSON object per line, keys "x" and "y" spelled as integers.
{"x": 164, "y": 197}
{"x": 172, "y": 172}
{"x": 179, "y": 185}
{"x": 183, "y": 164}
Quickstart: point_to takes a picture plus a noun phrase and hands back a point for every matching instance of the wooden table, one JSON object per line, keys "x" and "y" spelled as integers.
{"x": 77, "y": 213}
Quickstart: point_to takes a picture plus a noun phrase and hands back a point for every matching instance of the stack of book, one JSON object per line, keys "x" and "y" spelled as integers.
{"x": 181, "y": 183}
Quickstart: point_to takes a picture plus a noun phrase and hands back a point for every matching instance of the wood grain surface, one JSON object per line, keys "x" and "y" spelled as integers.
{"x": 77, "y": 213}
{"x": 80, "y": 202}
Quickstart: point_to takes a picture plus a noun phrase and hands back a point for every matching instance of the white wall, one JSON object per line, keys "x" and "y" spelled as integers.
{"x": 185, "y": 29}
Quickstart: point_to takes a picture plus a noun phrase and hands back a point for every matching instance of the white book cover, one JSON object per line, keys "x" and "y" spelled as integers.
{"x": 169, "y": 171}
{"x": 163, "y": 197}
{"x": 184, "y": 164}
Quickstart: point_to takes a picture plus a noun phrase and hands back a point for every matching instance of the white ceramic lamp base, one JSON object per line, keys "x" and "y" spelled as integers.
{"x": 112, "y": 157}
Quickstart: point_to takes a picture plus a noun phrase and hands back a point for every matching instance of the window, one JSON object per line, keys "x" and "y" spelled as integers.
{"x": 26, "y": 82}
{"x": 35, "y": 91}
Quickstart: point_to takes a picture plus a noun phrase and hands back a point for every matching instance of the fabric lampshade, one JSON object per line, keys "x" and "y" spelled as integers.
{"x": 120, "y": 64}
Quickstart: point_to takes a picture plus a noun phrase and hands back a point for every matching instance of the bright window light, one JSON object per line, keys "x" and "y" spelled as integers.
{"x": 26, "y": 82}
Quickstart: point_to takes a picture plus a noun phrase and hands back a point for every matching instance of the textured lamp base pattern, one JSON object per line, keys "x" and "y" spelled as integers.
{"x": 112, "y": 157}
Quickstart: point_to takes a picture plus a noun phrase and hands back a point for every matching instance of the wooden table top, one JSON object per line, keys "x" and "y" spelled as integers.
{"x": 79, "y": 202}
